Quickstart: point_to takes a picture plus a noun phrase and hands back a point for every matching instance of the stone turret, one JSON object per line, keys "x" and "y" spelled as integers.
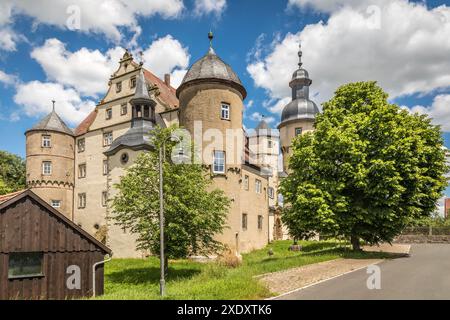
{"x": 50, "y": 162}
{"x": 298, "y": 116}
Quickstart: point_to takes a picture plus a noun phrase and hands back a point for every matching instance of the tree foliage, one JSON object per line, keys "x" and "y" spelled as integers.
{"x": 367, "y": 170}
{"x": 194, "y": 214}
{"x": 12, "y": 172}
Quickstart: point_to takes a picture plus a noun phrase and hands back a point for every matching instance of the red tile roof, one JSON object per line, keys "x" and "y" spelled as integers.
{"x": 167, "y": 96}
{"x": 6, "y": 197}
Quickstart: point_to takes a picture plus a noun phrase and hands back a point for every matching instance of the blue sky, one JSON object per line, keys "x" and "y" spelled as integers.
{"x": 402, "y": 44}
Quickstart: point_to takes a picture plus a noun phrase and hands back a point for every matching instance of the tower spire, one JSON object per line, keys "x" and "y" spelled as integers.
{"x": 300, "y": 53}
{"x": 210, "y": 37}
{"x": 53, "y": 108}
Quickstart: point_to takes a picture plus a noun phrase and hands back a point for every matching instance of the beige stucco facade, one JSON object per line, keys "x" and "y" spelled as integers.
{"x": 79, "y": 170}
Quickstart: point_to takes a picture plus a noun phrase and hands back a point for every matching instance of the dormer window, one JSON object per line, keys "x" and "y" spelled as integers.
{"x": 225, "y": 111}
{"x": 46, "y": 141}
{"x": 118, "y": 87}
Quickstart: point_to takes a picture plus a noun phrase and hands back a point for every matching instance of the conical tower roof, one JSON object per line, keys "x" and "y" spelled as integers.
{"x": 141, "y": 95}
{"x": 52, "y": 122}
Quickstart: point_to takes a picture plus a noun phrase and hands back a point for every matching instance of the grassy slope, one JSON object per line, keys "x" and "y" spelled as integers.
{"x": 139, "y": 279}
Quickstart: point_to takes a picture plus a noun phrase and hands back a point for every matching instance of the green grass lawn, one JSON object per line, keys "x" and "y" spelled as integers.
{"x": 139, "y": 279}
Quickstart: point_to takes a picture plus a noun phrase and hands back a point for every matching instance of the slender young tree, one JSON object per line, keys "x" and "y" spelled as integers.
{"x": 368, "y": 169}
{"x": 12, "y": 172}
{"x": 194, "y": 213}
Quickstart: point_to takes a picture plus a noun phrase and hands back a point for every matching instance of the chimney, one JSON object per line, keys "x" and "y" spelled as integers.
{"x": 167, "y": 79}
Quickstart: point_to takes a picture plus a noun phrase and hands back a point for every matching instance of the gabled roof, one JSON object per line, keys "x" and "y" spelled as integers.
{"x": 6, "y": 197}
{"x": 52, "y": 122}
{"x": 16, "y": 196}
{"x": 166, "y": 95}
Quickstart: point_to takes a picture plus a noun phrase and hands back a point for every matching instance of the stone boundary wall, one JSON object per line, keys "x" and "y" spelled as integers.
{"x": 420, "y": 238}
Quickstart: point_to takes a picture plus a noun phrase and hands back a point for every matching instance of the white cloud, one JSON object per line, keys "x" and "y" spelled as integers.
{"x": 256, "y": 116}
{"x": 167, "y": 55}
{"x": 85, "y": 70}
{"x": 35, "y": 98}
{"x": 7, "y": 79}
{"x": 9, "y": 38}
{"x": 439, "y": 111}
{"x": 205, "y": 7}
{"x": 331, "y": 5}
{"x": 100, "y": 16}
{"x": 406, "y": 51}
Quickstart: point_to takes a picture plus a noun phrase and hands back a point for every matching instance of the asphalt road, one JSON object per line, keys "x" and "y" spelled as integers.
{"x": 423, "y": 275}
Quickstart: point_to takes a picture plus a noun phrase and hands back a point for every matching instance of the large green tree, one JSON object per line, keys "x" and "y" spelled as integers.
{"x": 194, "y": 212}
{"x": 368, "y": 169}
{"x": 12, "y": 172}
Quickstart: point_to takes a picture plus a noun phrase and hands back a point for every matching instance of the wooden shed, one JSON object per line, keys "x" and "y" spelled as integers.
{"x": 43, "y": 254}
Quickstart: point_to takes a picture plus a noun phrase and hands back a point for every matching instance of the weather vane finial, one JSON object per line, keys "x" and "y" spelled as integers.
{"x": 141, "y": 54}
{"x": 53, "y": 102}
{"x": 300, "y": 63}
{"x": 210, "y": 37}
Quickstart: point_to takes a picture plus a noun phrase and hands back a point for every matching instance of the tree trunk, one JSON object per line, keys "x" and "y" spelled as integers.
{"x": 355, "y": 243}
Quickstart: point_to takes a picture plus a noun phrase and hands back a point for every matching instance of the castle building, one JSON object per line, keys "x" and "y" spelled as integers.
{"x": 75, "y": 171}
{"x": 298, "y": 116}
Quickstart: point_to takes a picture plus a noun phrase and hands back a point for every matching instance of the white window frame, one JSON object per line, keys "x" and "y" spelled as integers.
{"x": 298, "y": 129}
{"x": 46, "y": 141}
{"x": 216, "y": 165}
{"x": 105, "y": 167}
{"x": 82, "y": 171}
{"x": 118, "y": 86}
{"x": 133, "y": 82}
{"x": 81, "y": 200}
{"x": 107, "y": 138}
{"x": 104, "y": 198}
{"x": 46, "y": 168}
{"x": 225, "y": 111}
{"x": 123, "y": 109}
{"x": 269, "y": 143}
{"x": 271, "y": 192}
{"x": 81, "y": 145}
{"x": 258, "y": 186}
{"x": 55, "y": 204}
{"x": 108, "y": 113}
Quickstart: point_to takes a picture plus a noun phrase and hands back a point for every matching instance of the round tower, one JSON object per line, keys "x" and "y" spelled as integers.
{"x": 298, "y": 115}
{"x": 211, "y": 97}
{"x": 50, "y": 160}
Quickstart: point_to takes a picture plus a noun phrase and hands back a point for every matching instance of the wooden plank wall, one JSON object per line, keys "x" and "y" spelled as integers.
{"x": 26, "y": 226}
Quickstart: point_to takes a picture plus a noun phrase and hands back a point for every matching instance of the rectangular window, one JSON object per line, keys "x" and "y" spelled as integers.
{"x": 271, "y": 192}
{"x": 82, "y": 170}
{"x": 133, "y": 82}
{"x": 258, "y": 186}
{"x": 81, "y": 200}
{"x": 46, "y": 141}
{"x": 47, "y": 168}
{"x": 219, "y": 162}
{"x": 56, "y": 204}
{"x": 104, "y": 198}
{"x": 123, "y": 109}
{"x": 105, "y": 167}
{"x": 269, "y": 144}
{"x": 260, "y": 222}
{"x": 246, "y": 182}
{"x": 298, "y": 131}
{"x": 107, "y": 139}
{"x": 108, "y": 114}
{"x": 118, "y": 87}
{"x": 25, "y": 265}
{"x": 244, "y": 221}
{"x": 81, "y": 145}
{"x": 225, "y": 111}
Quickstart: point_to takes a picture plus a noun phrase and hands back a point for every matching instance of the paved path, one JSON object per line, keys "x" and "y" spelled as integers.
{"x": 423, "y": 275}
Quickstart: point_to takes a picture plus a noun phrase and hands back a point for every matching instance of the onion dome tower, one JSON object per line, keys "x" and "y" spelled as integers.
{"x": 143, "y": 120}
{"x": 298, "y": 115}
{"x": 50, "y": 162}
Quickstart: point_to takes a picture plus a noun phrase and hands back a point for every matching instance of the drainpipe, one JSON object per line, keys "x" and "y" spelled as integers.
{"x": 93, "y": 272}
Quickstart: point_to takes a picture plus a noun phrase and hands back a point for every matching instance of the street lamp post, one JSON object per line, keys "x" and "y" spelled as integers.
{"x": 162, "y": 281}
